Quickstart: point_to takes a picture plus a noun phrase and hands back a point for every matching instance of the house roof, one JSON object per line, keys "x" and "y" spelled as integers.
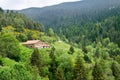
{"x": 31, "y": 42}
{"x": 43, "y": 44}
{"x": 37, "y": 43}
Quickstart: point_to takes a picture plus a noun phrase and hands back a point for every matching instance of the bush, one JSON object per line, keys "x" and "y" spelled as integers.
{"x": 9, "y": 46}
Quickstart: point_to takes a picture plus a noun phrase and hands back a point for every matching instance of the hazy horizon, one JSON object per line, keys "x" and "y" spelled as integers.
{"x": 22, "y": 4}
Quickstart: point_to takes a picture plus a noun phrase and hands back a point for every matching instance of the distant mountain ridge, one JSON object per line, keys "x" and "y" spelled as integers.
{"x": 69, "y": 9}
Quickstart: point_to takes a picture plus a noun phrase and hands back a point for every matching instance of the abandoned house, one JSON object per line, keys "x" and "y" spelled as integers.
{"x": 36, "y": 44}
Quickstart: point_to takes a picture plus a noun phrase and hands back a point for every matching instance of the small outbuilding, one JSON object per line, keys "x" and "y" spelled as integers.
{"x": 36, "y": 44}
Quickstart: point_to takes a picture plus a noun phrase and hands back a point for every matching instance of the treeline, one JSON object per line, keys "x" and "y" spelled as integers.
{"x": 91, "y": 20}
{"x": 18, "y": 21}
{"x": 89, "y": 32}
{"x": 24, "y": 28}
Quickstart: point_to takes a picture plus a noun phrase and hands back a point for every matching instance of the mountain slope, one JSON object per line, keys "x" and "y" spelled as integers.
{"x": 59, "y": 13}
{"x": 85, "y": 20}
{"x": 19, "y": 21}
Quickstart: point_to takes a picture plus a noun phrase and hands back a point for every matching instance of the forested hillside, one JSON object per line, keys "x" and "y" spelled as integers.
{"x": 23, "y": 27}
{"x": 19, "y": 21}
{"x": 16, "y": 61}
{"x": 86, "y": 46}
{"x": 89, "y": 19}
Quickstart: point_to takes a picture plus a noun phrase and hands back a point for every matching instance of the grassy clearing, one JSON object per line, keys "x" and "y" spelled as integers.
{"x": 64, "y": 46}
{"x": 61, "y": 46}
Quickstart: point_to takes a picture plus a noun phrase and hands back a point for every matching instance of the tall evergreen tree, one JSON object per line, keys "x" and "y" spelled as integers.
{"x": 98, "y": 73}
{"x": 36, "y": 60}
{"x": 87, "y": 59}
{"x": 116, "y": 70}
{"x": 60, "y": 74}
{"x": 80, "y": 72}
{"x": 53, "y": 65}
{"x": 71, "y": 50}
{"x": 97, "y": 53}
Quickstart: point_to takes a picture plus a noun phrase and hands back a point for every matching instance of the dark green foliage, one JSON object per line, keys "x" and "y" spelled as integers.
{"x": 66, "y": 64}
{"x": 84, "y": 49}
{"x": 60, "y": 74}
{"x": 53, "y": 65}
{"x": 80, "y": 71}
{"x": 114, "y": 50}
{"x": 22, "y": 37}
{"x": 36, "y": 60}
{"x": 98, "y": 73}
{"x": 52, "y": 53}
{"x": 97, "y": 53}
{"x": 71, "y": 50}
{"x": 87, "y": 59}
{"x": 51, "y": 32}
{"x": 1, "y": 63}
{"x": 81, "y": 22}
{"x": 117, "y": 58}
{"x": 18, "y": 72}
{"x": 116, "y": 70}
{"x": 5, "y": 74}
{"x": 1, "y": 10}
{"x": 9, "y": 46}
{"x": 18, "y": 21}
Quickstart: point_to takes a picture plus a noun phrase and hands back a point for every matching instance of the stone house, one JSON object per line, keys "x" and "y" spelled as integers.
{"x": 36, "y": 44}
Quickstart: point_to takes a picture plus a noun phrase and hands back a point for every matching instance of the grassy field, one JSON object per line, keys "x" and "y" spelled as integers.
{"x": 61, "y": 46}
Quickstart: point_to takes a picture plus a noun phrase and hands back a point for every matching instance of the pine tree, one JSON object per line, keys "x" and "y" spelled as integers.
{"x": 60, "y": 74}
{"x": 80, "y": 72}
{"x": 87, "y": 59}
{"x": 53, "y": 65}
{"x": 36, "y": 60}
{"x": 98, "y": 73}
{"x": 116, "y": 70}
{"x": 97, "y": 53}
{"x": 71, "y": 50}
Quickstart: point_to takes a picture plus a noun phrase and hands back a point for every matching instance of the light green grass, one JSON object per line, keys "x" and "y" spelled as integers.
{"x": 61, "y": 46}
{"x": 64, "y": 46}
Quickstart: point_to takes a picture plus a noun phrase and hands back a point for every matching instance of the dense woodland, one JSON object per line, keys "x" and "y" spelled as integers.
{"x": 88, "y": 19}
{"x": 88, "y": 51}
